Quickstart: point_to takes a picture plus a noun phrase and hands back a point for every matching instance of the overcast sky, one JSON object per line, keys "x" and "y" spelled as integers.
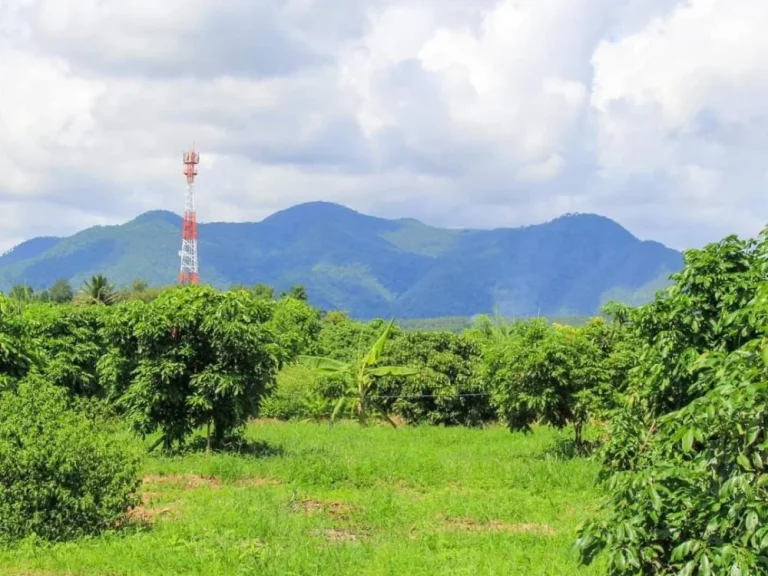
{"x": 462, "y": 113}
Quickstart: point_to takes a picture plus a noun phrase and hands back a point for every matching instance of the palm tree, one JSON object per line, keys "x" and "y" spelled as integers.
{"x": 359, "y": 377}
{"x": 98, "y": 290}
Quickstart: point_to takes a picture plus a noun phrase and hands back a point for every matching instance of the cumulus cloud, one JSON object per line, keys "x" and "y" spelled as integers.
{"x": 470, "y": 113}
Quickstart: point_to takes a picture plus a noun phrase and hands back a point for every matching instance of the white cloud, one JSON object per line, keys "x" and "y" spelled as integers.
{"x": 460, "y": 112}
{"x": 45, "y": 112}
{"x": 683, "y": 99}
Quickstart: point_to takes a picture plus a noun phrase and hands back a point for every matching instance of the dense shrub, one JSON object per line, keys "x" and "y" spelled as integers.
{"x": 448, "y": 388}
{"x": 342, "y": 338}
{"x": 296, "y": 326}
{"x": 299, "y": 394}
{"x": 15, "y": 356}
{"x": 70, "y": 344}
{"x": 686, "y": 461}
{"x": 193, "y": 357}
{"x": 61, "y": 474}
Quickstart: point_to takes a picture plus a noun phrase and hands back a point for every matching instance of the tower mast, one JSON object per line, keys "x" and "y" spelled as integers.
{"x": 189, "y": 273}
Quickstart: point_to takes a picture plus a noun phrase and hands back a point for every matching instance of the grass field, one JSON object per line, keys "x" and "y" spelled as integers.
{"x": 346, "y": 500}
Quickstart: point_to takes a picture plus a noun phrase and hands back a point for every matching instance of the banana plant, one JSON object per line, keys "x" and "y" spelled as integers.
{"x": 359, "y": 376}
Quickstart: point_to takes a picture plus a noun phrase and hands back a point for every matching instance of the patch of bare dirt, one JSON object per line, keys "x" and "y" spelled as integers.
{"x": 338, "y": 510}
{"x": 336, "y": 535}
{"x": 497, "y": 526}
{"x": 185, "y": 481}
{"x": 414, "y": 492}
{"x": 147, "y": 513}
{"x": 256, "y": 481}
{"x": 250, "y": 546}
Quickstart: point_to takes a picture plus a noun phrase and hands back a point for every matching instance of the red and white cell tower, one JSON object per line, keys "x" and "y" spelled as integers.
{"x": 188, "y": 252}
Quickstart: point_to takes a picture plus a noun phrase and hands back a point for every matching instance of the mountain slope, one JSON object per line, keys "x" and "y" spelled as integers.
{"x": 371, "y": 266}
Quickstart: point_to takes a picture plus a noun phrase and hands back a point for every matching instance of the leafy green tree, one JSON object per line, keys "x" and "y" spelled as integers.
{"x": 296, "y": 326}
{"x": 685, "y": 467}
{"x": 194, "y": 357}
{"x": 545, "y": 372}
{"x": 134, "y": 294}
{"x": 615, "y": 351}
{"x": 333, "y": 317}
{"x": 22, "y": 293}
{"x": 342, "y": 338}
{"x": 489, "y": 329}
{"x": 263, "y": 292}
{"x": 359, "y": 376}
{"x": 98, "y": 290}
{"x": 61, "y": 291}
{"x": 448, "y": 389}
{"x": 139, "y": 285}
{"x": 296, "y": 291}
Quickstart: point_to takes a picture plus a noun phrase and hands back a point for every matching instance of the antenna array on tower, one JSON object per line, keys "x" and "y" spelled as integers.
{"x": 188, "y": 253}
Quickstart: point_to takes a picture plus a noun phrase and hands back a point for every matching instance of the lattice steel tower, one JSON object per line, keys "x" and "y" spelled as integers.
{"x": 188, "y": 253}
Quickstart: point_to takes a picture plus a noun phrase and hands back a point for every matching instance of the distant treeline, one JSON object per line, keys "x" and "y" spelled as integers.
{"x": 100, "y": 289}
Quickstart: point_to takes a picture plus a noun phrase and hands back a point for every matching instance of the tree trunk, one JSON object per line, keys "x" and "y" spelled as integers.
{"x": 219, "y": 433}
{"x": 577, "y": 429}
{"x": 362, "y": 414}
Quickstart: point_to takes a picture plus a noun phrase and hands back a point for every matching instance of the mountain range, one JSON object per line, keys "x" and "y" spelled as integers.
{"x": 369, "y": 266}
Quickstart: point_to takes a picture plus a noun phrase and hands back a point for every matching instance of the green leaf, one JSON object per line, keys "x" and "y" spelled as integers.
{"x": 322, "y": 364}
{"x": 687, "y": 442}
{"x": 374, "y": 353}
{"x": 743, "y": 461}
{"x": 687, "y": 569}
{"x": 655, "y": 499}
{"x": 393, "y": 371}
{"x": 338, "y": 408}
{"x": 764, "y": 353}
{"x": 704, "y": 567}
{"x": 752, "y": 521}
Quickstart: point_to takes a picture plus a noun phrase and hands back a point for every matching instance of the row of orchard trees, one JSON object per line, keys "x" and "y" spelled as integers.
{"x": 677, "y": 389}
{"x": 519, "y": 373}
{"x": 191, "y": 358}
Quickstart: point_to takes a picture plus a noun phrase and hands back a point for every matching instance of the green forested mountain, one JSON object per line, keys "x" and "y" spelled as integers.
{"x": 371, "y": 266}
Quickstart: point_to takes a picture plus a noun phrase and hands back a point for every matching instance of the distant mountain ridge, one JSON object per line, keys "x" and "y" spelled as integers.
{"x": 371, "y": 266}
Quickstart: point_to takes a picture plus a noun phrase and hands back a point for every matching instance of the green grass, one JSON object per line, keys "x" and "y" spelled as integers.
{"x": 346, "y": 500}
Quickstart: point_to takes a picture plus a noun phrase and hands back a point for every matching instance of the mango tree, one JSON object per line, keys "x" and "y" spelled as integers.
{"x": 545, "y": 373}
{"x": 448, "y": 389}
{"x": 195, "y": 357}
